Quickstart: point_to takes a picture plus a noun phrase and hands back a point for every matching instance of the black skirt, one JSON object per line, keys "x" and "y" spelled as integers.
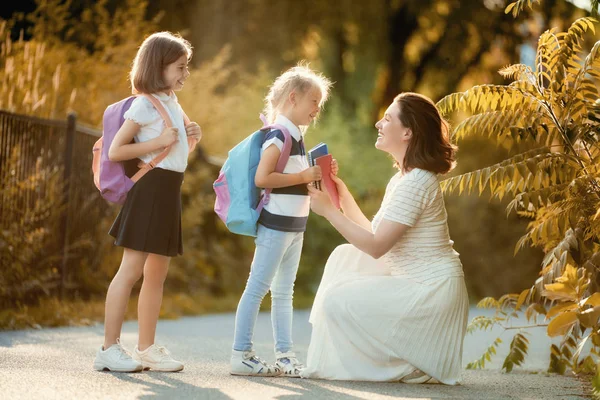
{"x": 150, "y": 220}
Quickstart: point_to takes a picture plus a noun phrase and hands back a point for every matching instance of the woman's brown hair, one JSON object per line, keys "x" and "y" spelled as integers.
{"x": 155, "y": 54}
{"x": 429, "y": 147}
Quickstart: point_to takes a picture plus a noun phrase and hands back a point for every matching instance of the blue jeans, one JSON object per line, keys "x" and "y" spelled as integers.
{"x": 274, "y": 267}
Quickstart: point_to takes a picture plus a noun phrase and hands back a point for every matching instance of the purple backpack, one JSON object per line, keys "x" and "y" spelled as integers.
{"x": 109, "y": 176}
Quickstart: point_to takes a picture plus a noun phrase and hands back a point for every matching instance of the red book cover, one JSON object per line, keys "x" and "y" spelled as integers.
{"x": 325, "y": 163}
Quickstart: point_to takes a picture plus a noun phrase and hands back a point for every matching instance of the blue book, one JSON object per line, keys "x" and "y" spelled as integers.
{"x": 314, "y": 153}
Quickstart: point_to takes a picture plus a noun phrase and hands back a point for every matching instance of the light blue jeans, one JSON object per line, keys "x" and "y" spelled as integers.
{"x": 274, "y": 267}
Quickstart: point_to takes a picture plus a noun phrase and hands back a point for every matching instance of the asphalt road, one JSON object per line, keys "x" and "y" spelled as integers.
{"x": 57, "y": 364}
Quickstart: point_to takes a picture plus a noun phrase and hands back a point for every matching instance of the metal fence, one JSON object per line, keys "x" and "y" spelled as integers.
{"x": 47, "y": 199}
{"x": 53, "y": 221}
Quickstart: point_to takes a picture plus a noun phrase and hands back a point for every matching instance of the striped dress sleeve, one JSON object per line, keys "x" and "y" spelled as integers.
{"x": 408, "y": 200}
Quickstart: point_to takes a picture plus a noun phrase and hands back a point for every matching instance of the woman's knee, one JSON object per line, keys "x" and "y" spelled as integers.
{"x": 331, "y": 305}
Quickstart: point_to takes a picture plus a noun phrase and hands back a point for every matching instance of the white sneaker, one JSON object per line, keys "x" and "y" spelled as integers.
{"x": 116, "y": 359}
{"x": 157, "y": 358}
{"x": 289, "y": 364}
{"x": 245, "y": 363}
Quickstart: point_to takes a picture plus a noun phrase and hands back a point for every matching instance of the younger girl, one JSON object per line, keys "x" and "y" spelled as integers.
{"x": 149, "y": 224}
{"x": 294, "y": 101}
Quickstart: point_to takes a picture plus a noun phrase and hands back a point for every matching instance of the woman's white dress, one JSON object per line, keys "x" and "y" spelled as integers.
{"x": 378, "y": 320}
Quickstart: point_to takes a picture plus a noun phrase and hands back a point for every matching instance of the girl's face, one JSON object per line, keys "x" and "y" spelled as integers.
{"x": 176, "y": 73}
{"x": 392, "y": 136}
{"x": 306, "y": 106}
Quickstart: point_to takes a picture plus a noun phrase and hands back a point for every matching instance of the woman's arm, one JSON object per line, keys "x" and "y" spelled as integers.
{"x": 122, "y": 149}
{"x": 266, "y": 177}
{"x": 349, "y": 205}
{"x": 375, "y": 244}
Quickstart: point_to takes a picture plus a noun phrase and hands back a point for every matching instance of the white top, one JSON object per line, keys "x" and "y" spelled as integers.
{"x": 143, "y": 113}
{"x": 424, "y": 253}
{"x": 288, "y": 207}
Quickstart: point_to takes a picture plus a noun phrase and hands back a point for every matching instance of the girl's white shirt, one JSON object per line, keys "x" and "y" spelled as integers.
{"x": 143, "y": 113}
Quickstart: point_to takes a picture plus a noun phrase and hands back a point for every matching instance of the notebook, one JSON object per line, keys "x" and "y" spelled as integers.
{"x": 314, "y": 153}
{"x": 330, "y": 187}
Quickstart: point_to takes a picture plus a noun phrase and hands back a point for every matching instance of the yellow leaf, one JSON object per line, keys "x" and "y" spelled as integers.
{"x": 562, "y": 323}
{"x": 557, "y": 309}
{"x": 509, "y": 8}
{"x": 559, "y": 291}
{"x": 593, "y": 300}
{"x": 521, "y": 298}
{"x": 569, "y": 276}
{"x": 589, "y": 317}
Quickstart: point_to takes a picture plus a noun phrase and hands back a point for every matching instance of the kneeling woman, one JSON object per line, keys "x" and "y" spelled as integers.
{"x": 392, "y": 304}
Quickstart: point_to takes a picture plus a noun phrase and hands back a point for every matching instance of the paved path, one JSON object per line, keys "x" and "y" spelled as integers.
{"x": 57, "y": 364}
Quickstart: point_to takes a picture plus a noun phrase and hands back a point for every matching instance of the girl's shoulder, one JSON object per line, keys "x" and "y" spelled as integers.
{"x": 141, "y": 111}
{"x": 142, "y": 103}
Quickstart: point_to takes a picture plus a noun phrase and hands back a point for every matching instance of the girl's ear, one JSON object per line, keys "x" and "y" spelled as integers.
{"x": 293, "y": 98}
{"x": 408, "y": 134}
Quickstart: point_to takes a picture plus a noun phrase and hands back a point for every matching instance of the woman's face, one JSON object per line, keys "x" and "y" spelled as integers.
{"x": 392, "y": 136}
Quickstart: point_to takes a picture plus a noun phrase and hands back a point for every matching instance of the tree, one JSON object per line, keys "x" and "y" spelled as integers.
{"x": 553, "y": 110}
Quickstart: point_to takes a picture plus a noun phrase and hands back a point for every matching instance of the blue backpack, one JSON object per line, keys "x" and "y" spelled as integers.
{"x": 239, "y": 202}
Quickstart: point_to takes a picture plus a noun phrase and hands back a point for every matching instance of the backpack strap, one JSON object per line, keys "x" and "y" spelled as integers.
{"x": 145, "y": 167}
{"x": 284, "y": 156}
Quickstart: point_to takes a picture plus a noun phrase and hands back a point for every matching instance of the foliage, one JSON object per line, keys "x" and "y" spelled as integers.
{"x": 371, "y": 51}
{"x": 71, "y": 62}
{"x": 518, "y": 6}
{"x": 554, "y": 110}
{"x": 29, "y": 250}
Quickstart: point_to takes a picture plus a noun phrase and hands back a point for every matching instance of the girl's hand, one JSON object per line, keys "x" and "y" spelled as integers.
{"x": 335, "y": 168}
{"x": 168, "y": 137}
{"x": 312, "y": 174}
{"x": 193, "y": 129}
{"x": 320, "y": 203}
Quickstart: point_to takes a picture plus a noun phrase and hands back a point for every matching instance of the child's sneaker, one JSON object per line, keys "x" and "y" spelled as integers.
{"x": 116, "y": 359}
{"x": 245, "y": 363}
{"x": 157, "y": 358}
{"x": 289, "y": 364}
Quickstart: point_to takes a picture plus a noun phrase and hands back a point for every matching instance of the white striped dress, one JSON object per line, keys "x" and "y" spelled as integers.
{"x": 378, "y": 320}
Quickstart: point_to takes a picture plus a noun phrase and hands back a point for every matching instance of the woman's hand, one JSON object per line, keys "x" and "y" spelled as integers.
{"x": 335, "y": 168}
{"x": 193, "y": 129}
{"x": 320, "y": 203}
{"x": 342, "y": 189}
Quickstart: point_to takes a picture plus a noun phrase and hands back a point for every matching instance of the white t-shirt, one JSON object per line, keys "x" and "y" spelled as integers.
{"x": 143, "y": 113}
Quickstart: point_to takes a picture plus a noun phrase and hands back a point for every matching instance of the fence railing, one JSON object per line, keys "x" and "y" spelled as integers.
{"x": 53, "y": 221}
{"x": 47, "y": 198}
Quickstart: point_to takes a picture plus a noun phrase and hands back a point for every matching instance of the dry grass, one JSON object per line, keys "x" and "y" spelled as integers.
{"x": 53, "y": 312}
